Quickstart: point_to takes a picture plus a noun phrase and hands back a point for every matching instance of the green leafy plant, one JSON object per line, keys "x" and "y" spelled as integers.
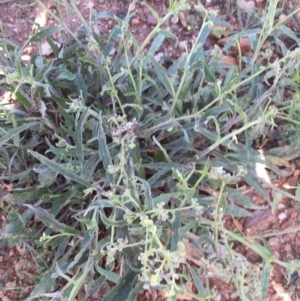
{"x": 122, "y": 164}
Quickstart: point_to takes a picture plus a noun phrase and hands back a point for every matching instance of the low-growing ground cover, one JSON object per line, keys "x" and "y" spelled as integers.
{"x": 128, "y": 172}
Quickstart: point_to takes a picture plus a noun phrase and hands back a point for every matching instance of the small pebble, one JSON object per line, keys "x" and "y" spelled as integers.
{"x": 276, "y": 254}
{"x": 182, "y": 19}
{"x": 151, "y": 20}
{"x": 110, "y": 24}
{"x": 296, "y": 173}
{"x": 290, "y": 236}
{"x": 11, "y": 284}
{"x": 158, "y": 56}
{"x": 282, "y": 17}
{"x": 286, "y": 225}
{"x": 174, "y": 20}
{"x": 245, "y": 5}
{"x": 186, "y": 33}
{"x": 146, "y": 10}
{"x": 20, "y": 250}
{"x": 132, "y": 7}
{"x": 274, "y": 241}
{"x": 294, "y": 215}
{"x": 282, "y": 216}
{"x": 147, "y": 295}
{"x": 135, "y": 21}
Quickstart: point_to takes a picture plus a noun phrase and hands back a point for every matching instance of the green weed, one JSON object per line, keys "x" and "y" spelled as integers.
{"x": 108, "y": 149}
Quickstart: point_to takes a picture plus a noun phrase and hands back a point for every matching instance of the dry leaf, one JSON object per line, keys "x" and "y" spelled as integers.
{"x": 256, "y": 218}
{"x": 244, "y": 44}
{"x": 228, "y": 60}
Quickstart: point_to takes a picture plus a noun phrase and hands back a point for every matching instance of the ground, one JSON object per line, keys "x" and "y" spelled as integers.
{"x": 19, "y": 19}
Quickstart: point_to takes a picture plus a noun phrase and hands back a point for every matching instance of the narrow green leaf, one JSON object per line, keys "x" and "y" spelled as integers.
{"x": 109, "y": 222}
{"x": 124, "y": 287}
{"x": 61, "y": 200}
{"x": 17, "y": 176}
{"x": 103, "y": 149}
{"x": 287, "y": 31}
{"x": 87, "y": 239}
{"x": 265, "y": 280}
{"x": 252, "y": 182}
{"x": 235, "y": 211}
{"x": 44, "y": 33}
{"x": 286, "y": 152}
{"x": 202, "y": 291}
{"x": 90, "y": 166}
{"x": 60, "y": 169}
{"x": 64, "y": 74}
{"x": 253, "y": 245}
{"x": 133, "y": 294}
{"x": 89, "y": 60}
{"x": 212, "y": 136}
{"x": 95, "y": 285}
{"x": 54, "y": 46}
{"x": 153, "y": 11}
{"x": 111, "y": 276}
{"x": 147, "y": 194}
{"x": 242, "y": 199}
{"x": 137, "y": 160}
{"x": 163, "y": 77}
{"x": 175, "y": 228}
{"x": 62, "y": 248}
{"x": 79, "y": 282}
{"x": 102, "y": 203}
{"x": 162, "y": 165}
{"x": 9, "y": 135}
{"x": 15, "y": 224}
{"x": 105, "y": 15}
{"x": 297, "y": 193}
{"x": 43, "y": 286}
{"x": 28, "y": 196}
{"x": 62, "y": 102}
{"x": 19, "y": 68}
{"x": 132, "y": 252}
{"x": 209, "y": 73}
{"x": 157, "y": 42}
{"x": 79, "y": 133}
{"x": 81, "y": 85}
{"x": 81, "y": 257}
{"x": 60, "y": 269}
{"x": 50, "y": 221}
{"x": 23, "y": 100}
{"x": 164, "y": 198}
{"x": 248, "y": 142}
